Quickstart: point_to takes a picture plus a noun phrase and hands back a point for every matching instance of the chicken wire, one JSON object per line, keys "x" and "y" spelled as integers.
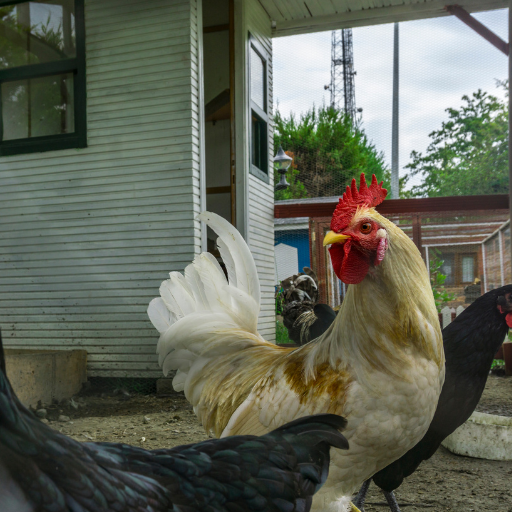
{"x": 466, "y": 254}
{"x": 122, "y": 386}
{"x": 496, "y": 258}
{"x": 440, "y": 61}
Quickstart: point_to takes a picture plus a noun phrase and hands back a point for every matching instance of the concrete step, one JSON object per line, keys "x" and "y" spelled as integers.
{"x": 46, "y": 375}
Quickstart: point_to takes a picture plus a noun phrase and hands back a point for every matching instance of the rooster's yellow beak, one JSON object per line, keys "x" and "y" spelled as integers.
{"x": 334, "y": 238}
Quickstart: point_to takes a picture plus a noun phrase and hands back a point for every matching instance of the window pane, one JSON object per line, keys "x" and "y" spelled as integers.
{"x": 257, "y": 80}
{"x": 447, "y": 268}
{"x": 468, "y": 271}
{"x": 34, "y": 32}
{"x": 259, "y": 148}
{"x": 41, "y": 106}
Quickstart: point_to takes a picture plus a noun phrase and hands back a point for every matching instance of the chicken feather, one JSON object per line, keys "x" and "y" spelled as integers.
{"x": 380, "y": 364}
{"x": 42, "y": 470}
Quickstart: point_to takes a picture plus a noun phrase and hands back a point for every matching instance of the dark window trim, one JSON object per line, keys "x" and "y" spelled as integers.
{"x": 4, "y": 3}
{"x": 76, "y": 65}
{"x": 263, "y": 114}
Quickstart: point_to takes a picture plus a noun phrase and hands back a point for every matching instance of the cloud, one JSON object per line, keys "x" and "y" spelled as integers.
{"x": 440, "y": 60}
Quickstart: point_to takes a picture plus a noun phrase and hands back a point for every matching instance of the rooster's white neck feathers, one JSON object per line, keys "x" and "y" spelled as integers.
{"x": 387, "y": 318}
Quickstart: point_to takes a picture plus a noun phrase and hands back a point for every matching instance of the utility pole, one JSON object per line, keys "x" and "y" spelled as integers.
{"x": 395, "y": 194}
{"x": 510, "y": 119}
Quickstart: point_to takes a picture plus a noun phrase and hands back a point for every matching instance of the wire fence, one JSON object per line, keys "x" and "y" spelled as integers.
{"x": 333, "y": 107}
{"x": 466, "y": 253}
{"x": 333, "y": 117}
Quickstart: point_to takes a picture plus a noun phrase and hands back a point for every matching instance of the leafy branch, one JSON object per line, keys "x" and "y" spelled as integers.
{"x": 437, "y": 279}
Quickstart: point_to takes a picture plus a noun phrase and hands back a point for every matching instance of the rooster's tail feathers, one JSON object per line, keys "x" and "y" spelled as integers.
{"x": 236, "y": 255}
{"x": 197, "y": 312}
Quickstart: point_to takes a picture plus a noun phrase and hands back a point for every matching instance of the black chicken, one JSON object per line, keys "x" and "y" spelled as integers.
{"x": 470, "y": 343}
{"x": 303, "y": 317}
{"x": 45, "y": 471}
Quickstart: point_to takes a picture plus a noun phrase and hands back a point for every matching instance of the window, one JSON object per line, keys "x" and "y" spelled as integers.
{"x": 42, "y": 76}
{"x": 447, "y": 268}
{"x": 459, "y": 269}
{"x": 258, "y": 84}
{"x": 468, "y": 269}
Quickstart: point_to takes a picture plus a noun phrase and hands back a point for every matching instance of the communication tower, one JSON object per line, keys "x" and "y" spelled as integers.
{"x": 342, "y": 86}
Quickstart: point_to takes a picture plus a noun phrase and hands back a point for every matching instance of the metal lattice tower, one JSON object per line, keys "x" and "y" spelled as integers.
{"x": 342, "y": 86}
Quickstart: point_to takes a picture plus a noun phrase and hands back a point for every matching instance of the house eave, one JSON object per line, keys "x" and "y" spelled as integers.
{"x": 297, "y": 21}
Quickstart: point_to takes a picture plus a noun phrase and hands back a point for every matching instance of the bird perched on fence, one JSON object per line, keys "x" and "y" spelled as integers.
{"x": 45, "y": 471}
{"x": 380, "y": 364}
{"x": 470, "y": 343}
{"x": 303, "y": 317}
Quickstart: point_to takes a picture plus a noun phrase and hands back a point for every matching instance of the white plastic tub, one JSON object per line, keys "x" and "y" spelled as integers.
{"x": 483, "y": 436}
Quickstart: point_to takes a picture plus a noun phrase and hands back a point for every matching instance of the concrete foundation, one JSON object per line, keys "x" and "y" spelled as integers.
{"x": 46, "y": 375}
{"x": 483, "y": 436}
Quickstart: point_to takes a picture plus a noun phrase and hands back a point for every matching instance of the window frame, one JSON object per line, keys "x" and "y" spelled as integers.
{"x": 457, "y": 271}
{"x": 74, "y": 65}
{"x": 255, "y": 109}
{"x": 473, "y": 256}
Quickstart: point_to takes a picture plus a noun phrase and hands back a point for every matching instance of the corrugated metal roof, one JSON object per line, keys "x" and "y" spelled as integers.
{"x": 304, "y": 16}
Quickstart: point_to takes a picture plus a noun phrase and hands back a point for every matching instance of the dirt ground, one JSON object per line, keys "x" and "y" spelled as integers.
{"x": 445, "y": 483}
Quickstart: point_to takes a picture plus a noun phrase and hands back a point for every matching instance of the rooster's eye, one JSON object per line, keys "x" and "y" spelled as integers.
{"x": 366, "y": 228}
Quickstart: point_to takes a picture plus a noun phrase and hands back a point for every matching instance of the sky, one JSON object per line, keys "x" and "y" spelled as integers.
{"x": 441, "y": 60}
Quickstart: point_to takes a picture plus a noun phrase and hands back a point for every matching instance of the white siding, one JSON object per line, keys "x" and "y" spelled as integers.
{"x": 261, "y": 195}
{"x": 88, "y": 235}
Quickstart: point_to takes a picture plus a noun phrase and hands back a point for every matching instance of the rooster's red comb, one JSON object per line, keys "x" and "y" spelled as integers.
{"x": 366, "y": 196}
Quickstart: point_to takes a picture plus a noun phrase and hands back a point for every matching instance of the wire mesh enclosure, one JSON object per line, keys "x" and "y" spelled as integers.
{"x": 394, "y": 98}
{"x": 467, "y": 252}
{"x": 496, "y": 258}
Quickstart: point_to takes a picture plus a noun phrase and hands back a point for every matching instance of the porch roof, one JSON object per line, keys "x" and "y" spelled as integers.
{"x": 291, "y": 17}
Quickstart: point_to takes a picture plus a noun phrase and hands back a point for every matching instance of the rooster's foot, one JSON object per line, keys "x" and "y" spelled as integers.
{"x": 393, "y": 504}
{"x": 353, "y": 508}
{"x": 361, "y": 495}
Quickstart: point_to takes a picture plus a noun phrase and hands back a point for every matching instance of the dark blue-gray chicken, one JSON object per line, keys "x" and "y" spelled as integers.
{"x": 42, "y": 470}
{"x": 470, "y": 343}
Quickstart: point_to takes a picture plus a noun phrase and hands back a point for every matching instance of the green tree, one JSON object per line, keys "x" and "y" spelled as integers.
{"x": 328, "y": 151}
{"x": 469, "y": 154}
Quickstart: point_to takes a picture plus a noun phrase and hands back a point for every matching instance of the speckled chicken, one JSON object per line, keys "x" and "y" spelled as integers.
{"x": 380, "y": 364}
{"x": 42, "y": 470}
{"x": 303, "y": 317}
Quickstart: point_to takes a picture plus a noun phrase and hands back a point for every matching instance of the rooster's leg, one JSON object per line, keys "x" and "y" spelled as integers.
{"x": 393, "y": 504}
{"x": 361, "y": 495}
{"x": 353, "y": 508}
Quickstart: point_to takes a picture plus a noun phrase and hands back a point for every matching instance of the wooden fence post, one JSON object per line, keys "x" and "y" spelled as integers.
{"x": 447, "y": 316}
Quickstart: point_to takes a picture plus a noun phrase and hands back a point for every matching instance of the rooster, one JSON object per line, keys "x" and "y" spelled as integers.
{"x": 470, "y": 343}
{"x": 45, "y": 471}
{"x": 380, "y": 364}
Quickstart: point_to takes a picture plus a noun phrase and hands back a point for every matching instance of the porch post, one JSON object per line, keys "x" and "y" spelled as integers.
{"x": 395, "y": 180}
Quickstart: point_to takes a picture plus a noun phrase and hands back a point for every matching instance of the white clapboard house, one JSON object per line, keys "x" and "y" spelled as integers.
{"x": 120, "y": 120}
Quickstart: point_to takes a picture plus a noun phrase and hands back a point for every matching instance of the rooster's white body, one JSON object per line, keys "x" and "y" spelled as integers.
{"x": 380, "y": 364}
